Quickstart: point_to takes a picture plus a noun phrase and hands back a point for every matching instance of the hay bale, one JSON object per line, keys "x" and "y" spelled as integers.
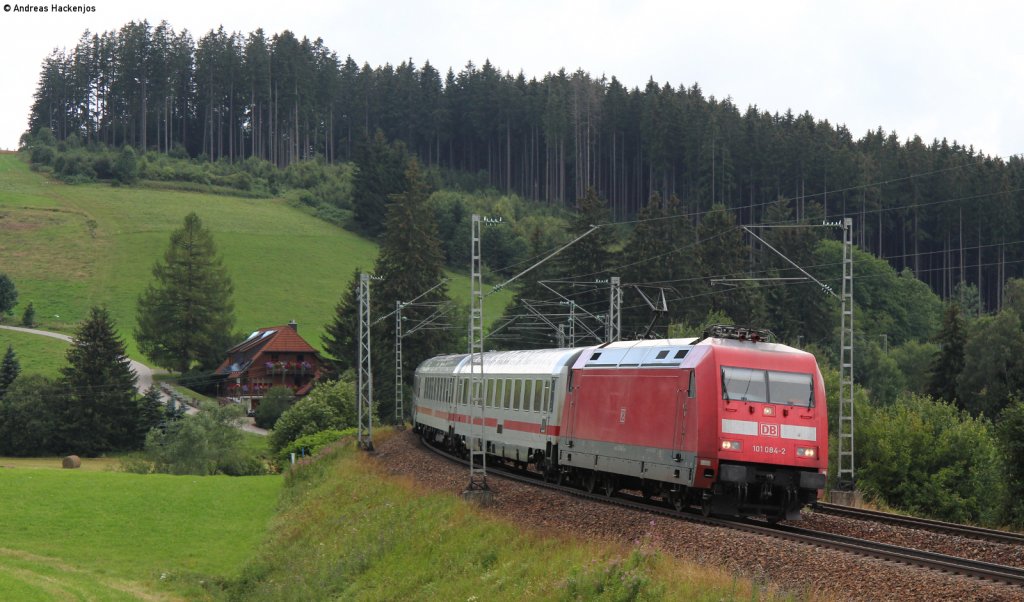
{"x": 72, "y": 462}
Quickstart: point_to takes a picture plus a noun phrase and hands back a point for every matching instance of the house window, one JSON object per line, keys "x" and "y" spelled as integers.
{"x": 273, "y": 357}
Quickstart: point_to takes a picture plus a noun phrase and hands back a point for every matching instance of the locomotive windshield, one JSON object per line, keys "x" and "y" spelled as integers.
{"x": 771, "y": 386}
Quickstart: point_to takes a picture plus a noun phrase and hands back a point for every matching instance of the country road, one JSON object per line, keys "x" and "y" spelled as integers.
{"x": 143, "y": 373}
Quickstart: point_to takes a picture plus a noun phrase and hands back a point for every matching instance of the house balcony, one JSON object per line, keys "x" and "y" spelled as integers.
{"x": 285, "y": 368}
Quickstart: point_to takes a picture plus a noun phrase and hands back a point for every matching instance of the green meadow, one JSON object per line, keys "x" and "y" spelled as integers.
{"x": 68, "y": 247}
{"x": 36, "y": 354}
{"x": 102, "y": 535}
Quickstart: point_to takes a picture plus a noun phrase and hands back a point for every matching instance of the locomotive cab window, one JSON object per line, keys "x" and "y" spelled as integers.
{"x": 744, "y": 384}
{"x": 773, "y": 386}
{"x": 791, "y": 388}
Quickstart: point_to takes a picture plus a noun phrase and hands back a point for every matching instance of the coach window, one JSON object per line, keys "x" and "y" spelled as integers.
{"x": 528, "y": 394}
{"x": 538, "y": 395}
{"x": 517, "y": 394}
{"x": 547, "y": 396}
{"x": 507, "y": 392}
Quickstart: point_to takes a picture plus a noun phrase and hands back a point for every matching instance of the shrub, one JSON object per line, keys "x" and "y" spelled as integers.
{"x": 309, "y": 415}
{"x": 310, "y": 445}
{"x": 126, "y": 168}
{"x": 276, "y": 401}
{"x": 203, "y": 444}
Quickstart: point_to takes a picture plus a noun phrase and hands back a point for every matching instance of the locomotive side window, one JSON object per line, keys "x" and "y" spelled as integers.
{"x": 691, "y": 389}
{"x": 791, "y": 388}
{"x": 744, "y": 384}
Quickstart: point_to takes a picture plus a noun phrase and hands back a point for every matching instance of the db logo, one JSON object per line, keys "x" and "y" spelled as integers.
{"x": 769, "y": 430}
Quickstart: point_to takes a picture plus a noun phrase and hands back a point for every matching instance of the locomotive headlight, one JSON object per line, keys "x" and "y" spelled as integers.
{"x": 806, "y": 452}
{"x": 730, "y": 445}
{"x": 769, "y": 410}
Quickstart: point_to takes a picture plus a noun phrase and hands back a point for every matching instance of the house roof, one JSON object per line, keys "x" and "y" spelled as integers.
{"x": 272, "y": 339}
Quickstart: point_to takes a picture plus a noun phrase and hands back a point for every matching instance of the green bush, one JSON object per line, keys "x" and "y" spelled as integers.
{"x": 928, "y": 457}
{"x": 310, "y": 445}
{"x": 205, "y": 443}
{"x": 309, "y": 415}
{"x": 276, "y": 402}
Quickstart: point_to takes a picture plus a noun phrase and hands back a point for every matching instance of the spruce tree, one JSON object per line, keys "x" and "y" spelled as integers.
{"x": 186, "y": 316}
{"x": 660, "y": 254}
{"x": 150, "y": 414}
{"x": 8, "y": 295}
{"x": 28, "y": 319}
{"x": 341, "y": 335}
{"x": 949, "y": 361}
{"x": 409, "y": 264}
{"x": 9, "y": 370}
{"x": 98, "y": 411}
{"x": 380, "y": 174}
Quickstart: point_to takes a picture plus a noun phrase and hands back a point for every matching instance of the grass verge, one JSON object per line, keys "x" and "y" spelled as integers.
{"x": 345, "y": 531}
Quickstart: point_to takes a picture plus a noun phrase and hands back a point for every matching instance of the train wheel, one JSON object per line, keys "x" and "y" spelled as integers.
{"x": 678, "y": 501}
{"x": 705, "y": 505}
{"x": 590, "y": 481}
{"x": 608, "y": 484}
{"x": 560, "y": 478}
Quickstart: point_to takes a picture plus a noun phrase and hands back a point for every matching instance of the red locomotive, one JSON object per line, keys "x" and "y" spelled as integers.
{"x": 730, "y": 423}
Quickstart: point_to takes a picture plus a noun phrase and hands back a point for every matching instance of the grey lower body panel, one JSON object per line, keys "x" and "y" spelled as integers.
{"x": 648, "y": 463}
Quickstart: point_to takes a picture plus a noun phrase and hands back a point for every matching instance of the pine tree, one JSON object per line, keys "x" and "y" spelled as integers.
{"x": 9, "y": 370}
{"x": 340, "y": 336}
{"x": 723, "y": 255}
{"x": 99, "y": 411}
{"x": 949, "y": 362}
{"x": 8, "y": 295}
{"x": 28, "y": 319}
{"x": 380, "y": 174}
{"x": 186, "y": 316}
{"x": 409, "y": 264}
{"x": 660, "y": 252}
{"x": 150, "y": 414}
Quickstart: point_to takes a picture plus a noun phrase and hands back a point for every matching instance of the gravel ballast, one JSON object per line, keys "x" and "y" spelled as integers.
{"x": 788, "y": 566}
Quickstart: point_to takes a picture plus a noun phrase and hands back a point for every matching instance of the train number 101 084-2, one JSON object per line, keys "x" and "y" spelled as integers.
{"x": 769, "y": 449}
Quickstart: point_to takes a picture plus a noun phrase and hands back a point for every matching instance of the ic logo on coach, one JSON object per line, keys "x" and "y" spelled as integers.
{"x": 769, "y": 430}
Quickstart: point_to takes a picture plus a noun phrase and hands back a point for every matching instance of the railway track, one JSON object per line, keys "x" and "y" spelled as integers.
{"x": 908, "y": 556}
{"x": 935, "y": 526}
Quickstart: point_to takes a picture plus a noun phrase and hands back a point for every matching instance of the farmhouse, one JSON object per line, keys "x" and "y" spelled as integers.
{"x": 269, "y": 357}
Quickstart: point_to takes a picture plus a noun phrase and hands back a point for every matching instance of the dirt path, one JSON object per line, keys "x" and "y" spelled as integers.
{"x": 142, "y": 371}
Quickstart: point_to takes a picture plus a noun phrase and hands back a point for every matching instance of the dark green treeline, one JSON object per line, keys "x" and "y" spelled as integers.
{"x": 942, "y": 209}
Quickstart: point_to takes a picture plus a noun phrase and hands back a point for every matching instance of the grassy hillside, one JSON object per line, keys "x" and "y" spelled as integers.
{"x": 36, "y": 354}
{"x": 346, "y": 531}
{"x": 70, "y": 534}
{"x": 70, "y": 247}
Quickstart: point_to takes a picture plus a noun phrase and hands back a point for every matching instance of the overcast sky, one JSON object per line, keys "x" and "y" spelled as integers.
{"x": 950, "y": 70}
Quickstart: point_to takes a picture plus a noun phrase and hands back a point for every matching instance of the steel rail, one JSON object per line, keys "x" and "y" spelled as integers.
{"x": 922, "y": 523}
{"x": 984, "y": 571}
